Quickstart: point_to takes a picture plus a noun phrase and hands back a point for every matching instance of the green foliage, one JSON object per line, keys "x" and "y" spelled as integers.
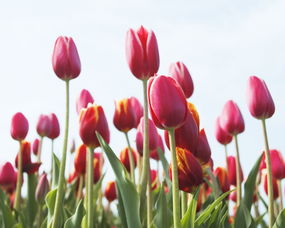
{"x": 75, "y": 220}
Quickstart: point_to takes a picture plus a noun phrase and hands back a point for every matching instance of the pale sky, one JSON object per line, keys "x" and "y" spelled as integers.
{"x": 221, "y": 42}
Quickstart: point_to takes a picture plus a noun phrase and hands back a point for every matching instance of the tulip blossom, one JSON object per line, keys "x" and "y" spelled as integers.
{"x": 167, "y": 102}
{"x": 194, "y": 113}
{"x": 154, "y": 153}
{"x": 35, "y": 146}
{"x": 8, "y": 176}
{"x": 97, "y": 166}
{"x": 43, "y": 125}
{"x": 142, "y": 53}
{"x": 259, "y": 100}
{"x": 231, "y": 119}
{"x": 65, "y": 60}
{"x": 110, "y": 191}
{"x": 124, "y": 157}
{"x": 54, "y": 127}
{"x": 222, "y": 136}
{"x": 203, "y": 150}
{"x": 92, "y": 120}
{"x": 153, "y": 136}
{"x": 232, "y": 171}
{"x": 124, "y": 117}
{"x": 274, "y": 184}
{"x": 42, "y": 188}
{"x": 222, "y": 176}
{"x": 19, "y": 126}
{"x": 154, "y": 179}
{"x": 72, "y": 177}
{"x": 180, "y": 73}
{"x": 190, "y": 174}
{"x": 137, "y": 109}
{"x": 80, "y": 160}
{"x": 83, "y": 100}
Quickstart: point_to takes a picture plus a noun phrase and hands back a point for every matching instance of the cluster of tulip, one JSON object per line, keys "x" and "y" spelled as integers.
{"x": 188, "y": 192}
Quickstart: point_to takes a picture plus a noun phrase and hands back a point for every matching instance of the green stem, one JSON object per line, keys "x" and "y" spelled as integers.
{"x": 90, "y": 172}
{"x": 39, "y": 220}
{"x": 131, "y": 159}
{"x": 59, "y": 194}
{"x": 183, "y": 203}
{"x": 239, "y": 190}
{"x": 32, "y": 205}
{"x": 269, "y": 176}
{"x": 149, "y": 204}
{"x": 40, "y": 149}
{"x": 280, "y": 195}
{"x": 51, "y": 169}
{"x": 80, "y": 187}
{"x": 175, "y": 189}
{"x": 19, "y": 180}
{"x": 226, "y": 155}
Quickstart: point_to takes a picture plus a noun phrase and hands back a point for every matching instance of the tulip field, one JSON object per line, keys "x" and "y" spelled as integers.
{"x": 186, "y": 190}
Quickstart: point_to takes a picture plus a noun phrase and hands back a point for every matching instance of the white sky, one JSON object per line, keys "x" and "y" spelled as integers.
{"x": 221, "y": 42}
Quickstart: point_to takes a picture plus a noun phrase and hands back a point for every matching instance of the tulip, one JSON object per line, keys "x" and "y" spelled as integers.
{"x": 110, "y": 191}
{"x": 43, "y": 125}
{"x": 167, "y": 103}
{"x": 124, "y": 157}
{"x": 72, "y": 177}
{"x": 8, "y": 176}
{"x": 65, "y": 60}
{"x": 19, "y": 127}
{"x": 194, "y": 113}
{"x": 92, "y": 120}
{"x": 181, "y": 74}
{"x": 54, "y": 125}
{"x": 190, "y": 174}
{"x": 42, "y": 188}
{"x": 259, "y": 100}
{"x": 137, "y": 109}
{"x": 232, "y": 171}
{"x": 83, "y": 100}
{"x": 35, "y": 146}
{"x": 203, "y": 150}
{"x": 124, "y": 117}
{"x": 274, "y": 185}
{"x": 142, "y": 53}
{"x": 222, "y": 136}
{"x": 80, "y": 160}
{"x": 154, "y": 179}
{"x": 98, "y": 162}
{"x": 154, "y": 153}
{"x": 223, "y": 178}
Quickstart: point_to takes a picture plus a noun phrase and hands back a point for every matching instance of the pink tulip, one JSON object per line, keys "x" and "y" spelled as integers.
{"x": 35, "y": 146}
{"x": 19, "y": 127}
{"x": 274, "y": 184}
{"x": 142, "y": 53}
{"x": 42, "y": 188}
{"x": 55, "y": 128}
{"x": 231, "y": 160}
{"x": 167, "y": 102}
{"x": 259, "y": 100}
{"x": 154, "y": 153}
{"x": 8, "y": 176}
{"x": 83, "y": 100}
{"x": 203, "y": 150}
{"x": 222, "y": 136}
{"x": 65, "y": 60}
{"x": 138, "y": 110}
{"x": 231, "y": 119}
{"x": 43, "y": 125}
{"x": 181, "y": 74}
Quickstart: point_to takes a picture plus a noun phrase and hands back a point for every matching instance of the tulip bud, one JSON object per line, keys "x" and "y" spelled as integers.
{"x": 167, "y": 103}
{"x": 83, "y": 100}
{"x": 137, "y": 109}
{"x": 124, "y": 157}
{"x": 54, "y": 125}
{"x": 92, "y": 120}
{"x": 153, "y": 136}
{"x": 203, "y": 150}
{"x": 222, "y": 176}
{"x": 80, "y": 160}
{"x": 65, "y": 60}
{"x": 142, "y": 53}
{"x": 97, "y": 165}
{"x": 231, "y": 160}
{"x": 43, "y": 125}
{"x": 259, "y": 100}
{"x": 181, "y": 74}
{"x": 231, "y": 119}
{"x": 42, "y": 188}
{"x": 233, "y": 196}
{"x": 35, "y": 146}
{"x": 222, "y": 136}
{"x": 154, "y": 153}
{"x": 154, "y": 179}
{"x": 190, "y": 174}
{"x": 274, "y": 184}
{"x": 19, "y": 127}
{"x": 124, "y": 117}
{"x": 110, "y": 191}
{"x": 8, "y": 176}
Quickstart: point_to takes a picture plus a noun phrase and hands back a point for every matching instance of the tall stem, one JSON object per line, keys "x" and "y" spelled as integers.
{"x": 40, "y": 149}
{"x": 19, "y": 180}
{"x": 131, "y": 159}
{"x": 90, "y": 172}
{"x": 226, "y": 156}
{"x": 175, "y": 189}
{"x": 59, "y": 194}
{"x": 269, "y": 176}
{"x": 280, "y": 195}
{"x": 51, "y": 169}
{"x": 239, "y": 193}
{"x": 149, "y": 204}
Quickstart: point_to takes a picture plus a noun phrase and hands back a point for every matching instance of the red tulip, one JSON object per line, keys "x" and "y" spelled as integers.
{"x": 124, "y": 157}
{"x": 194, "y": 113}
{"x": 259, "y": 100}
{"x": 93, "y": 119}
{"x": 181, "y": 74}
{"x": 8, "y": 176}
{"x": 231, "y": 119}
{"x": 80, "y": 160}
{"x": 35, "y": 146}
{"x": 42, "y": 188}
{"x": 83, "y": 100}
{"x": 137, "y": 109}
{"x": 203, "y": 150}
{"x": 72, "y": 177}
{"x": 223, "y": 178}
{"x": 154, "y": 179}
{"x": 190, "y": 174}
{"x": 233, "y": 196}
{"x": 43, "y": 125}
{"x": 54, "y": 125}
{"x": 142, "y": 53}
{"x": 231, "y": 160}
{"x": 167, "y": 103}
{"x": 222, "y": 136}
{"x": 19, "y": 127}
{"x": 65, "y": 60}
{"x": 97, "y": 165}
{"x": 124, "y": 116}
{"x": 110, "y": 191}
{"x": 154, "y": 153}
{"x": 28, "y": 166}
{"x": 274, "y": 184}
{"x": 153, "y": 136}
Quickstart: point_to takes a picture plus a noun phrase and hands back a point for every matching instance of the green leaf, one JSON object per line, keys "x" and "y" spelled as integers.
{"x": 32, "y": 206}
{"x": 161, "y": 219}
{"x": 50, "y": 202}
{"x": 243, "y": 217}
{"x": 121, "y": 210}
{"x": 188, "y": 220}
{"x": 250, "y": 184}
{"x": 5, "y": 211}
{"x": 55, "y": 170}
{"x": 280, "y": 221}
{"x": 75, "y": 220}
{"x": 128, "y": 191}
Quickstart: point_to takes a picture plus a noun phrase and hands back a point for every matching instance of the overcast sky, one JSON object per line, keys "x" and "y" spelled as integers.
{"x": 221, "y": 42}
